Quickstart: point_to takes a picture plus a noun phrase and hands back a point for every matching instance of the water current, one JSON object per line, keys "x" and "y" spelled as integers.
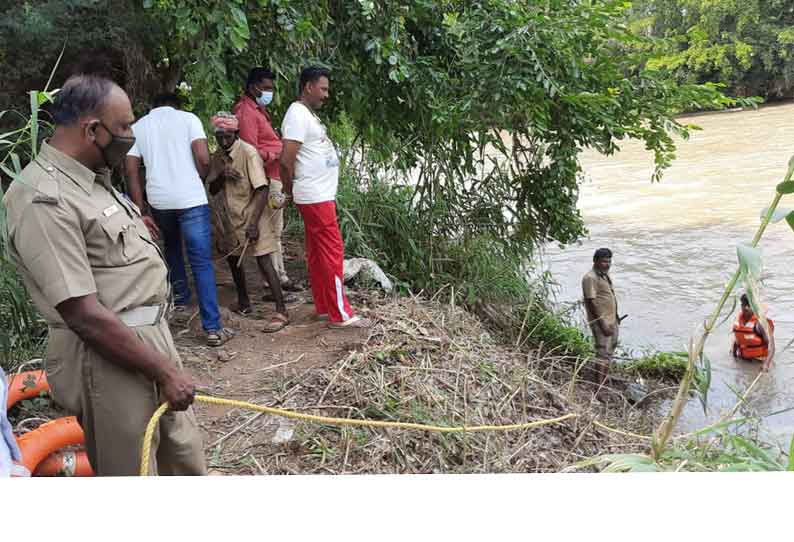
{"x": 674, "y": 246}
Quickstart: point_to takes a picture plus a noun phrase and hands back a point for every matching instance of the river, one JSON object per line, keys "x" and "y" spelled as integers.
{"x": 674, "y": 246}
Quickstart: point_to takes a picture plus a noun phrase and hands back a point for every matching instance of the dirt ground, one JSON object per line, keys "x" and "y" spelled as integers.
{"x": 244, "y": 367}
{"x": 423, "y": 361}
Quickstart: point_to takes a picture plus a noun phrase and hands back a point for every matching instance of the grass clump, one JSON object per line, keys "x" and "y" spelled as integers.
{"x": 665, "y": 366}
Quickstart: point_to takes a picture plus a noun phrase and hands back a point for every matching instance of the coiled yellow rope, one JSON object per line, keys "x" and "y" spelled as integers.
{"x": 147, "y": 436}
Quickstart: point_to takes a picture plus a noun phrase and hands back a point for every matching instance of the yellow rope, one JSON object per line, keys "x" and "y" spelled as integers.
{"x": 147, "y": 437}
{"x": 619, "y": 432}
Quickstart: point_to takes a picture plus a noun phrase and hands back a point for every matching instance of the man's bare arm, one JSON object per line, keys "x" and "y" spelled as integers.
{"x": 104, "y": 333}
{"x": 134, "y": 183}
{"x": 260, "y": 202}
{"x": 287, "y": 164}
{"x": 201, "y": 157}
{"x": 132, "y": 166}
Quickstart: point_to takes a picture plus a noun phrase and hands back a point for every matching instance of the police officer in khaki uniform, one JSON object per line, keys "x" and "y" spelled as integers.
{"x": 601, "y": 305}
{"x": 99, "y": 280}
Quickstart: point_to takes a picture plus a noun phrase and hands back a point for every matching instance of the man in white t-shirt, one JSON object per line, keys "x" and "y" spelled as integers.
{"x": 173, "y": 146}
{"x": 310, "y": 174}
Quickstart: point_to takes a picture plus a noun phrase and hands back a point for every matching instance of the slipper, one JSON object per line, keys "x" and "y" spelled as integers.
{"x": 277, "y": 323}
{"x": 356, "y": 321}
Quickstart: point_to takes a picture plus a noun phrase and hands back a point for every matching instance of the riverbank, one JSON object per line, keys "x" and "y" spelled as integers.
{"x": 426, "y": 360}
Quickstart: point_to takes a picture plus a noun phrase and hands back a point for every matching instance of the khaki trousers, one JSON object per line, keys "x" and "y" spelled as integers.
{"x": 114, "y": 405}
{"x": 605, "y": 345}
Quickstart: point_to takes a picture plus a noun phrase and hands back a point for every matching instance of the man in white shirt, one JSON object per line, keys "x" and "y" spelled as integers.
{"x": 173, "y": 147}
{"x": 310, "y": 174}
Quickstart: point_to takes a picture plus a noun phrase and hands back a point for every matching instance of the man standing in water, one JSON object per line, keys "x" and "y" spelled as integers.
{"x": 602, "y": 310}
{"x": 751, "y": 341}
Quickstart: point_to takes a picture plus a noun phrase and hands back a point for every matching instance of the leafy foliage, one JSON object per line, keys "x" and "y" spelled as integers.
{"x": 748, "y": 45}
{"x": 726, "y": 452}
{"x": 483, "y": 105}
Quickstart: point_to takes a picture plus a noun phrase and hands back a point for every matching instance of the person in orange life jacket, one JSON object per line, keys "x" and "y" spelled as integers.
{"x": 750, "y": 340}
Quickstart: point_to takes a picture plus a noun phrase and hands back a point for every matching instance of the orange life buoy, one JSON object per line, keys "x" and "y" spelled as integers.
{"x": 750, "y": 344}
{"x": 65, "y": 463}
{"x": 25, "y": 385}
{"x": 48, "y": 438}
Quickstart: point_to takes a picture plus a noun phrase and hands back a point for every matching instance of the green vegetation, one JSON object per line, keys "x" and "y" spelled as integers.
{"x": 669, "y": 366}
{"x": 22, "y": 331}
{"x": 748, "y": 46}
{"x": 725, "y": 452}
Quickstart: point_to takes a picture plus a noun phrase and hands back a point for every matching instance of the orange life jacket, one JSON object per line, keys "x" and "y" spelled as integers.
{"x": 750, "y": 344}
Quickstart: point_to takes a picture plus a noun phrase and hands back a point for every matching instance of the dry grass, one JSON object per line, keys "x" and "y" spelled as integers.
{"x": 432, "y": 363}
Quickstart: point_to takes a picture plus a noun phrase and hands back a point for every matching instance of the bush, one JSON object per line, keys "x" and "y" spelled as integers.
{"x": 379, "y": 220}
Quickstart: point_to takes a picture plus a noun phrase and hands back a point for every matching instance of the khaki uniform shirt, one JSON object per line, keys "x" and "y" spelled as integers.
{"x": 72, "y": 234}
{"x": 598, "y": 287}
{"x": 239, "y": 200}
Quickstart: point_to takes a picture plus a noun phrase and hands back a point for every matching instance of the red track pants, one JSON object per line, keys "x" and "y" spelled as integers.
{"x": 325, "y": 254}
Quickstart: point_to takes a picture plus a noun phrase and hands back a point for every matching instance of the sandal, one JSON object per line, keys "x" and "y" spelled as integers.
{"x": 356, "y": 321}
{"x": 277, "y": 323}
{"x": 217, "y": 338}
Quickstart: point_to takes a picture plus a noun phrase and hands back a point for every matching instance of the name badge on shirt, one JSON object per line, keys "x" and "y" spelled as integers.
{"x": 110, "y": 211}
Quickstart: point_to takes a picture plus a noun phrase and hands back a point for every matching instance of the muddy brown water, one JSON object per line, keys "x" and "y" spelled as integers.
{"x": 674, "y": 247}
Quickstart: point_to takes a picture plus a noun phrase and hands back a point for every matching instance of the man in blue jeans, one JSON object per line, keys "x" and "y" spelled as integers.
{"x": 173, "y": 146}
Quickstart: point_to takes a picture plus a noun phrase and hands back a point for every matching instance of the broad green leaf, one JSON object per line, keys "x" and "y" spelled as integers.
{"x": 239, "y": 16}
{"x": 630, "y": 463}
{"x": 786, "y": 187}
{"x": 749, "y": 259}
{"x": 790, "y": 219}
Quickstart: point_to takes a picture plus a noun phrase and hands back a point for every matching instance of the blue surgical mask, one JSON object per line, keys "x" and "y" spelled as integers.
{"x": 265, "y": 98}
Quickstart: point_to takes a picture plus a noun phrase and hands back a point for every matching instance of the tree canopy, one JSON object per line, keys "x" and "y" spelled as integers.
{"x": 483, "y": 105}
{"x": 746, "y": 44}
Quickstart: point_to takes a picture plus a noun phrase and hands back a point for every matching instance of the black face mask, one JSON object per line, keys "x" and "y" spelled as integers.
{"x": 114, "y": 152}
